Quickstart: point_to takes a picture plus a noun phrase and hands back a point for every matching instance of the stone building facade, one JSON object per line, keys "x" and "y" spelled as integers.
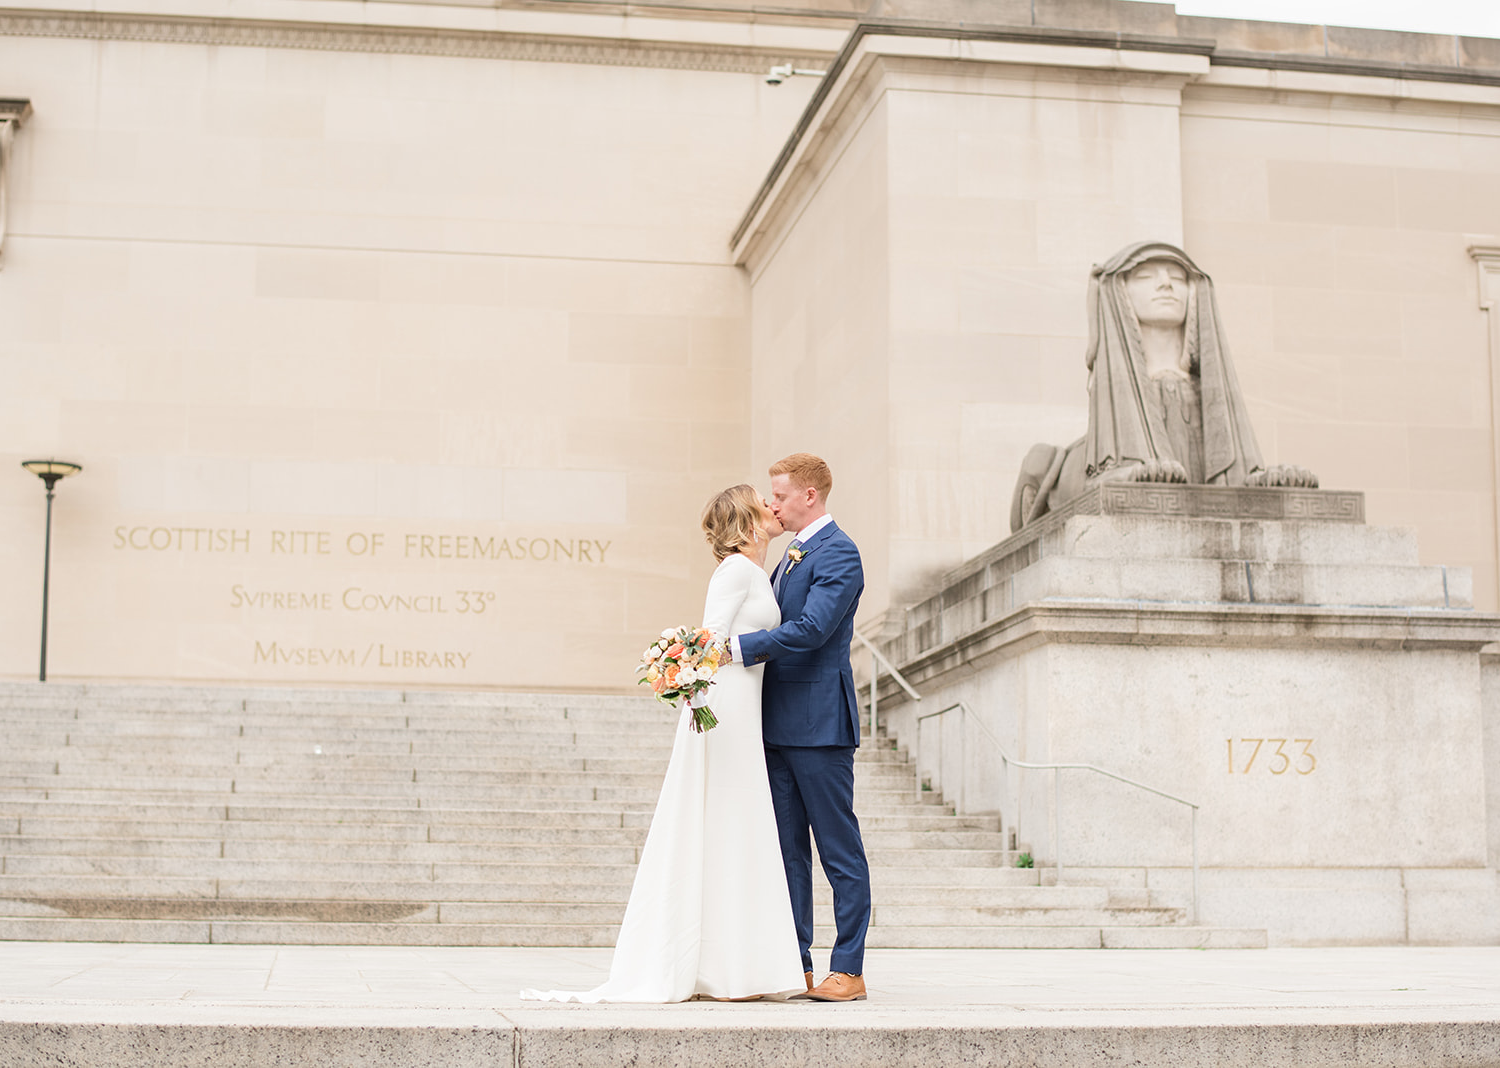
{"x": 402, "y": 343}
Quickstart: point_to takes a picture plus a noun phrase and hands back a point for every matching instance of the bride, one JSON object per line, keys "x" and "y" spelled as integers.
{"x": 710, "y": 913}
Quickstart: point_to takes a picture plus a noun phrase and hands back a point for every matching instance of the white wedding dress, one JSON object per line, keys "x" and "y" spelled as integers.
{"x": 710, "y": 912}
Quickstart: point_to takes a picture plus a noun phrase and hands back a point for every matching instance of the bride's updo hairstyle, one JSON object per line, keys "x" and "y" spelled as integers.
{"x": 732, "y": 520}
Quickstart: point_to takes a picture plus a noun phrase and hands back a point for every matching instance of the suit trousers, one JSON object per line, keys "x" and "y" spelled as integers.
{"x": 813, "y": 787}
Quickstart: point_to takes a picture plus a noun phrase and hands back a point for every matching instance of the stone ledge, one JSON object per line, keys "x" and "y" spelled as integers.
{"x": 560, "y": 1038}
{"x": 1168, "y": 502}
{"x": 1366, "y": 68}
{"x": 1166, "y": 624}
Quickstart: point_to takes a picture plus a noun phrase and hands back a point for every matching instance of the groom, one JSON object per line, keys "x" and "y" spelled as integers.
{"x": 810, "y": 720}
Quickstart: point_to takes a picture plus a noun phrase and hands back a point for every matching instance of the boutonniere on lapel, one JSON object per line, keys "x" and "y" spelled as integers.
{"x": 794, "y": 557}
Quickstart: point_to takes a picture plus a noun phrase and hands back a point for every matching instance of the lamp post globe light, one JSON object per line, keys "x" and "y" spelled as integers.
{"x": 49, "y": 471}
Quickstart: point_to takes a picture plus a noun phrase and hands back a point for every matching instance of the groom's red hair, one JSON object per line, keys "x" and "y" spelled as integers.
{"x": 804, "y": 469}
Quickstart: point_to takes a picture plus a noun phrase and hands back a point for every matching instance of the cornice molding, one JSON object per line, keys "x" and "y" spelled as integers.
{"x": 333, "y": 37}
{"x": 1363, "y": 68}
{"x": 16, "y": 111}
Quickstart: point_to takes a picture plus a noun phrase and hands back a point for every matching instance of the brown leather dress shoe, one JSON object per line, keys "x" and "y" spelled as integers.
{"x": 839, "y": 986}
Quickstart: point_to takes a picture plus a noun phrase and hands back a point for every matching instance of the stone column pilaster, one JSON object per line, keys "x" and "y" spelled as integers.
{"x": 13, "y": 114}
{"x": 1487, "y": 258}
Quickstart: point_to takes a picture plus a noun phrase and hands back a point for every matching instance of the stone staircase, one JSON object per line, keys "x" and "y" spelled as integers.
{"x": 174, "y": 814}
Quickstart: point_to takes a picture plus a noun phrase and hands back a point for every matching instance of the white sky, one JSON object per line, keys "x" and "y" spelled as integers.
{"x": 1471, "y": 18}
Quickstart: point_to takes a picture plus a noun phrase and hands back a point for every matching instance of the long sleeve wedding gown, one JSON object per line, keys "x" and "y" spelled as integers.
{"x": 709, "y": 912}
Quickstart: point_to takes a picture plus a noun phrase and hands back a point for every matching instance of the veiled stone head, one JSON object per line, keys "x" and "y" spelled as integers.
{"x": 1158, "y": 292}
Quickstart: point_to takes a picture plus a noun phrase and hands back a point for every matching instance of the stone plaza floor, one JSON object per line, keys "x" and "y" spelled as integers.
{"x": 76, "y": 1003}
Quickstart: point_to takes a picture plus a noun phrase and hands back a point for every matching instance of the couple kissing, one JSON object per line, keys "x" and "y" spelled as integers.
{"x": 722, "y": 903}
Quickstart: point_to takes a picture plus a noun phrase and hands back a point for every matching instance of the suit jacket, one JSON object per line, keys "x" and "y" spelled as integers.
{"x": 808, "y": 696}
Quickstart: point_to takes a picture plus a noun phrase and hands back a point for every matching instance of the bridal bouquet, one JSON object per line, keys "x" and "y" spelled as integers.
{"x": 680, "y": 666}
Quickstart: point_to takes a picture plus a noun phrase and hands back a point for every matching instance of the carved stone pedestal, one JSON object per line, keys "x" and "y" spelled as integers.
{"x": 1301, "y": 676}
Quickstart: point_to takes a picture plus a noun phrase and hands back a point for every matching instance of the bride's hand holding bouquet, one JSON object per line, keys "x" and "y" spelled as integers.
{"x": 680, "y": 666}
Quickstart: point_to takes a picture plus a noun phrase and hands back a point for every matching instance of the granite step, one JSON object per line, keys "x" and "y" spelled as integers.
{"x": 125, "y": 815}
{"x": 380, "y": 792}
{"x": 50, "y": 835}
{"x": 572, "y": 800}
{"x": 285, "y": 932}
{"x": 210, "y": 814}
{"x": 42, "y": 899}
{"x": 314, "y": 750}
{"x": 890, "y": 915}
{"x": 220, "y": 858}
{"x": 234, "y": 811}
{"x": 1048, "y": 937}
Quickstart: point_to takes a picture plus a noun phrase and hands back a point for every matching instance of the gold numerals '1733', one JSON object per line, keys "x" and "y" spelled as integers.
{"x": 1278, "y": 761}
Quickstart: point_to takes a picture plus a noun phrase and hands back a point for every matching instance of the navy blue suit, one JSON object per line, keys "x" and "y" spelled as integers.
{"x": 810, "y": 724}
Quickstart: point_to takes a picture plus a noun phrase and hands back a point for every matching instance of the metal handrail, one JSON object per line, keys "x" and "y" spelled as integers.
{"x": 1056, "y": 769}
{"x": 877, "y": 659}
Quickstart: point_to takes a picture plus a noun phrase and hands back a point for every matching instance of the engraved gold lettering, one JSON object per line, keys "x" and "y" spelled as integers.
{"x": 1286, "y": 761}
{"x": 362, "y": 544}
{"x": 355, "y": 599}
{"x": 294, "y": 601}
{"x": 1306, "y": 744}
{"x": 391, "y": 657}
{"x": 301, "y": 542}
{"x": 182, "y": 539}
{"x": 302, "y": 655}
{"x": 1254, "y": 753}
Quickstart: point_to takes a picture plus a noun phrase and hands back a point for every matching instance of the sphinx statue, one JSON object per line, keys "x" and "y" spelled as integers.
{"x": 1164, "y": 402}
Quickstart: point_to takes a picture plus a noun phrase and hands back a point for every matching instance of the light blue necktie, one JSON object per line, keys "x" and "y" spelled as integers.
{"x": 781, "y": 568}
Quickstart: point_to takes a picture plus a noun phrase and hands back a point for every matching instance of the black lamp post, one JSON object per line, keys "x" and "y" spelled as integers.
{"x": 49, "y": 471}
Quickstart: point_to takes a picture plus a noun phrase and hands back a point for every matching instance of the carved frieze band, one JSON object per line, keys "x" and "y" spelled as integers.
{"x": 336, "y": 38}
{"x": 1223, "y": 502}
